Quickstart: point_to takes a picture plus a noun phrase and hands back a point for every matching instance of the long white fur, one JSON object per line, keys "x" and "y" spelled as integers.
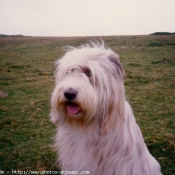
{"x": 106, "y": 139}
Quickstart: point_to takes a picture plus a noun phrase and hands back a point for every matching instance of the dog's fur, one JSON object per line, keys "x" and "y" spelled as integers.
{"x": 97, "y": 131}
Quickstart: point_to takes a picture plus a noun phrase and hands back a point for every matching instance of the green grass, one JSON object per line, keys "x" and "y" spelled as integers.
{"x": 26, "y": 74}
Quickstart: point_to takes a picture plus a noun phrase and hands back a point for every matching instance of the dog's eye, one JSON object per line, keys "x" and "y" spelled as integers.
{"x": 88, "y": 73}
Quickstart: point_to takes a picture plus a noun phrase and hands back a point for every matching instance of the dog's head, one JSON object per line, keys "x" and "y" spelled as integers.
{"x": 89, "y": 86}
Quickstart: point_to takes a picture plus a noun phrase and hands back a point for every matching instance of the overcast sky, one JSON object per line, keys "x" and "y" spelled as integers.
{"x": 86, "y": 17}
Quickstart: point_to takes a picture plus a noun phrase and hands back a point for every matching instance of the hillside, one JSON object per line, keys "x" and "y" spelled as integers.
{"x": 26, "y": 76}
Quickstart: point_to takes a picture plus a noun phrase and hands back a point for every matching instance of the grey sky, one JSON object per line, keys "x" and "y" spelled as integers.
{"x": 86, "y": 17}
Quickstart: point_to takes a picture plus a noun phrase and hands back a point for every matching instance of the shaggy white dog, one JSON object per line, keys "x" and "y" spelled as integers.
{"x": 97, "y": 131}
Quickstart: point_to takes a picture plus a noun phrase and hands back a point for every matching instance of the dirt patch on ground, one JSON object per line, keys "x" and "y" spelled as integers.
{"x": 3, "y": 94}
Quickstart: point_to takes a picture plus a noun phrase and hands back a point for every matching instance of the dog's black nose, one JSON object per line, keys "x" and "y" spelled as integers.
{"x": 70, "y": 94}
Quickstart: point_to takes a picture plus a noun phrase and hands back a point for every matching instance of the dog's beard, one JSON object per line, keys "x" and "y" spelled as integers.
{"x": 77, "y": 112}
{"x": 73, "y": 113}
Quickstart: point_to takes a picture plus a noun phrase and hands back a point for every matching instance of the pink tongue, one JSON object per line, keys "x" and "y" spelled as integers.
{"x": 73, "y": 108}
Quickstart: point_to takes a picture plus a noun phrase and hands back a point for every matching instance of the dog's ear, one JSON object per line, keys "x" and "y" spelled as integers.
{"x": 114, "y": 117}
{"x": 114, "y": 58}
{"x": 54, "y": 115}
{"x": 115, "y": 107}
{"x": 116, "y": 102}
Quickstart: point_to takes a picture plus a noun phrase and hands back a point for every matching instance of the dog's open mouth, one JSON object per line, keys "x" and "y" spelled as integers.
{"x": 73, "y": 108}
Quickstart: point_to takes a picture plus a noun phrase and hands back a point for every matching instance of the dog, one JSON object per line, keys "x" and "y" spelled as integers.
{"x": 96, "y": 129}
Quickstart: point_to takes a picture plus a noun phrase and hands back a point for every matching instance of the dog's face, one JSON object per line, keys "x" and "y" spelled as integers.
{"x": 87, "y": 80}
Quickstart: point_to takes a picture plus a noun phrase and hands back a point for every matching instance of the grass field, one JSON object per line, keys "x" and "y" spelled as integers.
{"x": 26, "y": 75}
